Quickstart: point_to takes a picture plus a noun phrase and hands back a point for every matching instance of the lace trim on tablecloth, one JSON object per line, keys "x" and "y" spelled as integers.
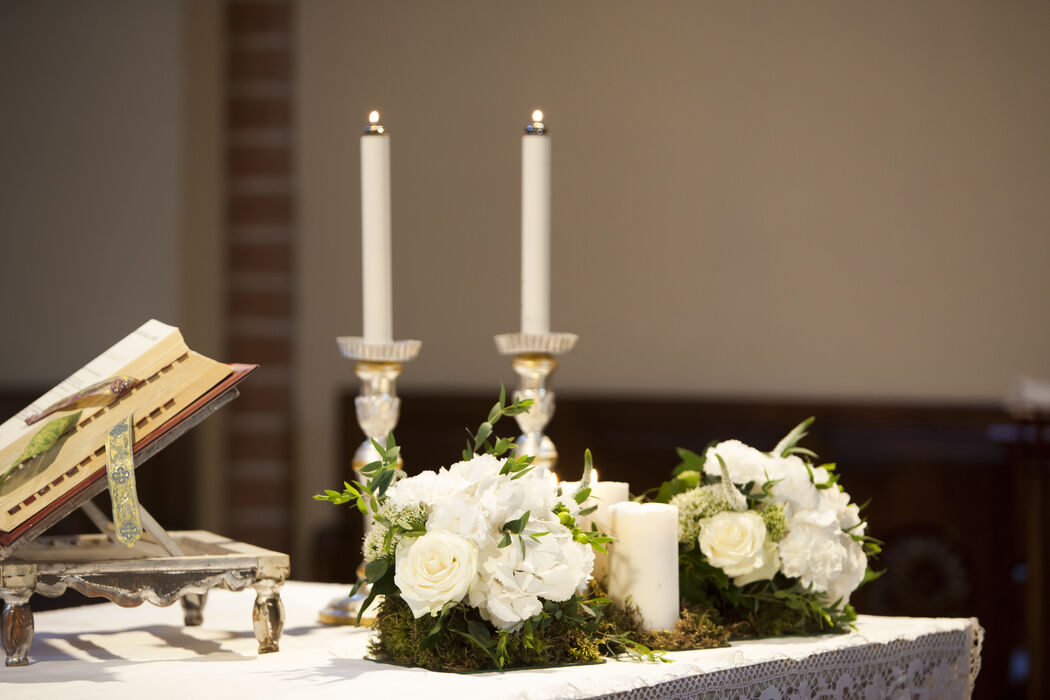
{"x": 934, "y": 666}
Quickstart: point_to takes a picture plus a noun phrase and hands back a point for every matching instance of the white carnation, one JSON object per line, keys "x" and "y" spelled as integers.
{"x": 744, "y": 463}
{"x": 793, "y": 486}
{"x": 818, "y": 553}
{"x": 852, "y": 573}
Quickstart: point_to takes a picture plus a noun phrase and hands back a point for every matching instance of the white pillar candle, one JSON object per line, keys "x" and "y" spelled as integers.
{"x": 643, "y": 562}
{"x": 604, "y": 495}
{"x": 535, "y": 227}
{"x": 375, "y": 234}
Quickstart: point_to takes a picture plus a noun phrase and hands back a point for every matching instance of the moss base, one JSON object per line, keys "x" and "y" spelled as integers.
{"x": 398, "y": 635}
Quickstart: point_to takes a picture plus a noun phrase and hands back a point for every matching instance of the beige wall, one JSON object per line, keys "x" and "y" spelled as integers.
{"x": 818, "y": 199}
{"x": 111, "y": 187}
{"x": 814, "y": 199}
{"x": 89, "y": 183}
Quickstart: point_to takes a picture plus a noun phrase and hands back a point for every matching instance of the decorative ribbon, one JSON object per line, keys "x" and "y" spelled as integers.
{"x": 120, "y": 470}
{"x": 113, "y": 387}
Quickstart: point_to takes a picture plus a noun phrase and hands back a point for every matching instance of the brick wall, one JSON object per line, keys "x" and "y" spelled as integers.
{"x": 260, "y": 248}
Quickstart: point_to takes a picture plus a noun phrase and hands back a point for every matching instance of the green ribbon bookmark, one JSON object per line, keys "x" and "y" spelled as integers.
{"x": 120, "y": 470}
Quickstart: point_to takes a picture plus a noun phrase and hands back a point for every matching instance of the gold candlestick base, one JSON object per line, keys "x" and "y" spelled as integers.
{"x": 535, "y": 364}
{"x": 378, "y": 409}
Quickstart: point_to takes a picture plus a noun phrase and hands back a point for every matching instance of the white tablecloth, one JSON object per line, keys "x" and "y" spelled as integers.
{"x": 104, "y": 651}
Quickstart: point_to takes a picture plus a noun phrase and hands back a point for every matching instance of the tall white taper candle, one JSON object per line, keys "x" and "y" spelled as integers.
{"x": 643, "y": 561}
{"x": 535, "y": 227}
{"x": 375, "y": 233}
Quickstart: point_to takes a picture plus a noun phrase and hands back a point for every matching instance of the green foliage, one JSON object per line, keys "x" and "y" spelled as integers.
{"x": 762, "y": 608}
{"x": 682, "y": 481}
{"x": 483, "y": 440}
{"x": 379, "y": 475}
{"x": 789, "y": 445}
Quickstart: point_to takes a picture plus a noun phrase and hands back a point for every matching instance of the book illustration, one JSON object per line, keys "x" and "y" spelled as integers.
{"x": 43, "y": 441}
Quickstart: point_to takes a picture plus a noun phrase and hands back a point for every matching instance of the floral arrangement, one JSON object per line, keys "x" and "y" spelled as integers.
{"x": 769, "y": 541}
{"x": 481, "y": 564}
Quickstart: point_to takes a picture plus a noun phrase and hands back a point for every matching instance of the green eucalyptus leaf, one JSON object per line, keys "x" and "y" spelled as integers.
{"x": 502, "y": 446}
{"x": 375, "y": 569}
{"x": 382, "y": 481}
{"x": 484, "y": 430}
{"x": 521, "y": 473}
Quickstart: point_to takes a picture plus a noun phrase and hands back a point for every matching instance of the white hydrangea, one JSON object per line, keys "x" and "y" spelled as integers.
{"x": 510, "y": 587}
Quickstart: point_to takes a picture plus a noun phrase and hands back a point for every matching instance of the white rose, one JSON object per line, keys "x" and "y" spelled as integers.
{"x": 768, "y": 570}
{"x": 734, "y": 542}
{"x": 434, "y": 569}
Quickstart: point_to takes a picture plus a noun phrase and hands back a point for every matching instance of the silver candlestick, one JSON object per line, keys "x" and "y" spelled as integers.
{"x": 535, "y": 364}
{"x": 378, "y": 409}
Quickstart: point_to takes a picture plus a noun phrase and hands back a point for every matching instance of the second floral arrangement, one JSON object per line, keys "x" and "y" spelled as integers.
{"x": 770, "y": 541}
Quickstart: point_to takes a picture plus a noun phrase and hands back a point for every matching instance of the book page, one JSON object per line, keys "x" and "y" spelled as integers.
{"x": 146, "y": 337}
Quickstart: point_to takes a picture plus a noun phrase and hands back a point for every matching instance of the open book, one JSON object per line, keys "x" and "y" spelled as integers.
{"x": 171, "y": 382}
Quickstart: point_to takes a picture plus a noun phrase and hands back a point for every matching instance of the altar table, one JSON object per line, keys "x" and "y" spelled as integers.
{"x": 104, "y": 651}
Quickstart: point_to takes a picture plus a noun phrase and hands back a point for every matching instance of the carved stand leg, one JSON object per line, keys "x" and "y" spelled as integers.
{"x": 17, "y": 627}
{"x": 193, "y": 608}
{"x": 268, "y": 616}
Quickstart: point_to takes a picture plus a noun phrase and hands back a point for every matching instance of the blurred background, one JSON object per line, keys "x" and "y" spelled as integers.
{"x": 760, "y": 212}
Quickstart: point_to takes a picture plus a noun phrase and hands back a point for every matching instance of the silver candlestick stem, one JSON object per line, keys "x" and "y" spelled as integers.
{"x": 378, "y": 409}
{"x": 535, "y": 364}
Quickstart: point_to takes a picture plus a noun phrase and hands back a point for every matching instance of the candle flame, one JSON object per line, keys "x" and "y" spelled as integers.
{"x": 537, "y": 115}
{"x": 373, "y": 117}
{"x": 594, "y": 476}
